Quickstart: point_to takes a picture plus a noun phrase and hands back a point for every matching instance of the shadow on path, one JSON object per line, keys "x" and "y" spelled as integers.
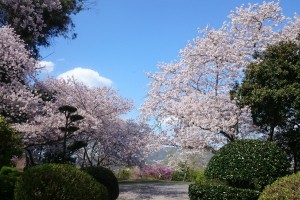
{"x": 153, "y": 191}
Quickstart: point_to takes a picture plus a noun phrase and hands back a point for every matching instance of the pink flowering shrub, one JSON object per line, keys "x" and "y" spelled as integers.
{"x": 157, "y": 172}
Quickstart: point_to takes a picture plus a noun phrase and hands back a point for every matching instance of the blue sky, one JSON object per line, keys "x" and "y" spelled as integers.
{"x": 123, "y": 39}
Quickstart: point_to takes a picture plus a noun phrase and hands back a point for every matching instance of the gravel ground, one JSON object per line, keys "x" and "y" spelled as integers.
{"x": 153, "y": 191}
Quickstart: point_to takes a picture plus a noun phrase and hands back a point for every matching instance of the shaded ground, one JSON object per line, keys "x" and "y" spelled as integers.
{"x": 154, "y": 191}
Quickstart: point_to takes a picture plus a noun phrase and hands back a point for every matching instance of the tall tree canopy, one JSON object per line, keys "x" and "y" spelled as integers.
{"x": 36, "y": 21}
{"x": 271, "y": 87}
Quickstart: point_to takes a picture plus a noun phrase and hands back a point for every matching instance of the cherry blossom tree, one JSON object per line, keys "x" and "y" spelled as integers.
{"x": 190, "y": 98}
{"x": 25, "y": 25}
{"x": 132, "y": 142}
{"x": 110, "y": 139}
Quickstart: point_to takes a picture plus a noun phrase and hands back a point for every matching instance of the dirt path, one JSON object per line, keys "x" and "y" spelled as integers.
{"x": 153, "y": 191}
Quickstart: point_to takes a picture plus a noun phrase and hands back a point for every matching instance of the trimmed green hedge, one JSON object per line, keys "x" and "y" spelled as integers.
{"x": 59, "y": 182}
{"x": 10, "y": 143}
{"x": 285, "y": 188}
{"x": 8, "y": 178}
{"x": 107, "y": 178}
{"x": 248, "y": 164}
{"x": 220, "y": 192}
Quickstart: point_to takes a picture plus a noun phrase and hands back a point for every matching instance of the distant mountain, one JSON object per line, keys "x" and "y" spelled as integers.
{"x": 199, "y": 160}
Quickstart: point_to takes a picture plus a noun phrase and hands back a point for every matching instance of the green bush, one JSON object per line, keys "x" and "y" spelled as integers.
{"x": 202, "y": 179}
{"x": 107, "y": 178}
{"x": 8, "y": 178}
{"x": 124, "y": 174}
{"x": 5, "y": 170}
{"x": 177, "y": 176}
{"x": 10, "y": 143}
{"x": 191, "y": 175}
{"x": 285, "y": 188}
{"x": 250, "y": 164}
{"x": 183, "y": 174}
{"x": 220, "y": 192}
{"x": 59, "y": 182}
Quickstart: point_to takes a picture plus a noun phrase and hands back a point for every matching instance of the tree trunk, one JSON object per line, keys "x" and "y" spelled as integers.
{"x": 271, "y": 134}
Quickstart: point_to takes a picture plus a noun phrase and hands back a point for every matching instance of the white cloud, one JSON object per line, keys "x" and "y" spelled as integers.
{"x": 88, "y": 77}
{"x": 45, "y": 66}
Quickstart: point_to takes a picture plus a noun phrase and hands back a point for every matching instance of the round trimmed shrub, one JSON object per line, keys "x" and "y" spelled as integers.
{"x": 59, "y": 182}
{"x": 285, "y": 188}
{"x": 107, "y": 178}
{"x": 250, "y": 164}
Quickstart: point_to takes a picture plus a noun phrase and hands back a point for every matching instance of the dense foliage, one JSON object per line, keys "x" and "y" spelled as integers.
{"x": 10, "y": 143}
{"x": 107, "y": 178}
{"x": 271, "y": 87}
{"x": 289, "y": 141}
{"x": 250, "y": 164}
{"x": 8, "y": 178}
{"x": 285, "y": 188}
{"x": 38, "y": 21}
{"x": 60, "y": 182}
{"x": 217, "y": 192}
